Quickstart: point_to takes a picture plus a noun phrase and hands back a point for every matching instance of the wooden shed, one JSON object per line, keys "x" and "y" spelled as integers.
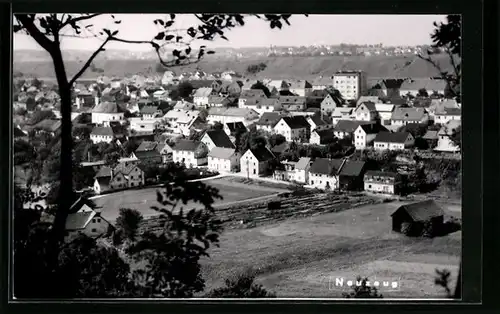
{"x": 414, "y": 218}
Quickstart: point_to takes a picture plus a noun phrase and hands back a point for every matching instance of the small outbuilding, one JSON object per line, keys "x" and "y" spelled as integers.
{"x": 423, "y": 218}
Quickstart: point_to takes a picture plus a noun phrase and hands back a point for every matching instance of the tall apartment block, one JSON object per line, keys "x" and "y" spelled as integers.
{"x": 351, "y": 84}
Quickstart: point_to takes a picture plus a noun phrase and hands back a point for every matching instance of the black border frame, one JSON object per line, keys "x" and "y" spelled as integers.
{"x": 479, "y": 125}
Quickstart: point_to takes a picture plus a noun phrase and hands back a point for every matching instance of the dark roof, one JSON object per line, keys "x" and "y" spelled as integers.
{"x": 393, "y": 83}
{"x": 48, "y": 125}
{"x": 262, "y": 153}
{"x": 292, "y": 100}
{"x": 107, "y": 107}
{"x": 326, "y": 166}
{"x": 186, "y": 145}
{"x": 373, "y": 128}
{"x": 352, "y": 168}
{"x": 421, "y": 211}
{"x": 18, "y": 132}
{"x": 370, "y": 105}
{"x": 251, "y": 93}
{"x": 431, "y": 135}
{"x": 449, "y": 112}
{"x": 220, "y": 138}
{"x": 388, "y": 137}
{"x": 349, "y": 126}
{"x": 146, "y": 146}
{"x": 78, "y": 204}
{"x": 296, "y": 122}
{"x": 125, "y": 169}
{"x": 318, "y": 120}
{"x": 325, "y": 134}
{"x": 375, "y": 173}
{"x": 234, "y": 126}
{"x": 269, "y": 118}
{"x": 279, "y": 149}
{"x": 78, "y": 221}
{"x": 103, "y": 130}
{"x": 105, "y": 171}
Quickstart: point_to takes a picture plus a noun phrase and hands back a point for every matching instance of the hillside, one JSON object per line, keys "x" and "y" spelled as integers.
{"x": 280, "y": 67}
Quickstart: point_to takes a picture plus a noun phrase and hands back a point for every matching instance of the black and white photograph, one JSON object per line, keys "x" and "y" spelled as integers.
{"x": 238, "y": 156}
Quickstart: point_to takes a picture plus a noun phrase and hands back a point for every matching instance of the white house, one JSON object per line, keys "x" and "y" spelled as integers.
{"x": 286, "y": 172}
{"x": 105, "y": 112}
{"x": 302, "y": 170}
{"x": 300, "y": 88}
{"x": 365, "y": 134}
{"x": 261, "y": 105}
{"x": 447, "y": 114}
{"x": 223, "y": 159}
{"x": 382, "y": 182}
{"x": 190, "y": 153}
{"x": 324, "y": 173}
{"x": 150, "y": 112}
{"x": 292, "y": 103}
{"x": 342, "y": 113}
{"x": 104, "y": 134}
{"x": 139, "y": 124}
{"x": 90, "y": 223}
{"x": 255, "y": 162}
{"x": 267, "y": 121}
{"x": 366, "y": 111}
{"x": 293, "y": 128}
{"x": 385, "y": 113}
{"x": 228, "y": 115}
{"x": 216, "y": 138}
{"x": 393, "y": 141}
{"x": 180, "y": 121}
{"x": 445, "y": 143}
{"x": 403, "y": 116}
{"x": 201, "y": 95}
{"x": 248, "y": 94}
{"x": 319, "y": 123}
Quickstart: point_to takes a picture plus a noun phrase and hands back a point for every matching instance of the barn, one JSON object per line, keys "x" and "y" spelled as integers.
{"x": 419, "y": 218}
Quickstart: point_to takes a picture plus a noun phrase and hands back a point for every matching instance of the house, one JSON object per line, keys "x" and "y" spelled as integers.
{"x": 255, "y": 161}
{"x": 216, "y": 138}
{"x": 366, "y": 111}
{"x": 321, "y": 83}
{"x": 292, "y": 103}
{"x": 262, "y": 105}
{"x": 351, "y": 175}
{"x": 322, "y": 137}
{"x": 286, "y": 171}
{"x": 89, "y": 223}
{"x": 267, "y": 121}
{"x": 373, "y": 99}
{"x": 218, "y": 101}
{"x": 294, "y": 128}
{"x": 384, "y": 112}
{"x": 411, "y": 219}
{"x": 342, "y": 113}
{"x": 302, "y": 170}
{"x": 227, "y": 115}
{"x": 346, "y": 128}
{"x": 403, "y": 116}
{"x": 413, "y": 85}
{"x": 366, "y": 133}
{"x": 234, "y": 128}
{"x": 300, "y": 87}
{"x": 323, "y": 173}
{"x": 181, "y": 121}
{"x": 329, "y": 103}
{"x": 190, "y": 153}
{"x": 105, "y": 112}
{"x": 447, "y": 114}
{"x": 201, "y": 95}
{"x": 223, "y": 159}
{"x": 319, "y": 122}
{"x": 144, "y": 124}
{"x": 445, "y": 143}
{"x": 126, "y": 176}
{"x": 431, "y": 137}
{"x": 248, "y": 94}
{"x": 102, "y": 180}
{"x": 382, "y": 182}
{"x": 148, "y": 153}
{"x": 278, "y": 150}
{"x": 150, "y": 112}
{"x": 392, "y": 87}
{"x": 105, "y": 134}
{"x": 393, "y": 141}
{"x": 47, "y": 126}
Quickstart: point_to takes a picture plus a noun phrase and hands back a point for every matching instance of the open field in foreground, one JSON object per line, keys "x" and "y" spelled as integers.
{"x": 142, "y": 200}
{"x": 298, "y": 257}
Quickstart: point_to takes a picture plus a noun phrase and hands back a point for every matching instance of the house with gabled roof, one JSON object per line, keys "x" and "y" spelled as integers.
{"x": 151, "y": 112}
{"x": 324, "y": 172}
{"x": 148, "y": 153}
{"x": 233, "y": 128}
{"x": 329, "y": 103}
{"x": 190, "y": 153}
{"x": 392, "y": 87}
{"x": 268, "y": 120}
{"x": 292, "y": 103}
{"x": 322, "y": 137}
{"x": 105, "y": 134}
{"x": 102, "y": 179}
{"x": 411, "y": 219}
{"x": 223, "y": 159}
{"x": 47, "y": 126}
{"x": 366, "y": 111}
{"x": 127, "y": 176}
{"x": 201, "y": 95}
{"x": 403, "y": 116}
{"x": 295, "y": 128}
{"x": 393, "y": 141}
{"x": 365, "y": 134}
{"x": 107, "y": 111}
{"x": 346, "y": 128}
{"x": 342, "y": 113}
{"x": 227, "y": 115}
{"x": 413, "y": 85}
{"x": 300, "y": 87}
{"x": 321, "y": 83}
{"x": 302, "y": 170}
{"x": 262, "y": 105}
{"x": 351, "y": 175}
{"x": 319, "y": 122}
{"x": 383, "y": 182}
{"x": 384, "y": 112}
{"x": 248, "y": 94}
{"x": 444, "y": 142}
{"x": 255, "y": 161}
{"x": 89, "y": 223}
{"x": 218, "y": 101}
{"x": 216, "y": 138}
{"x": 445, "y": 115}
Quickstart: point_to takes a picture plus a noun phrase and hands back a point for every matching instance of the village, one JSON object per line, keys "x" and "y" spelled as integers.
{"x": 276, "y": 149}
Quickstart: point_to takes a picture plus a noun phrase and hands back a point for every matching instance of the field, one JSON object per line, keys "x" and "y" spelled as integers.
{"x": 277, "y": 67}
{"x": 299, "y": 257}
{"x": 231, "y": 190}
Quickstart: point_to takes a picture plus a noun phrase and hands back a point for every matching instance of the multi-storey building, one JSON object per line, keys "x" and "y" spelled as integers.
{"x": 350, "y": 84}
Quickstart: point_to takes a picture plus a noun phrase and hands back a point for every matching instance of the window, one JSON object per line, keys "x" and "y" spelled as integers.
{"x": 254, "y": 171}
{"x": 131, "y": 183}
{"x": 94, "y": 230}
{"x": 93, "y": 221}
{"x": 98, "y": 219}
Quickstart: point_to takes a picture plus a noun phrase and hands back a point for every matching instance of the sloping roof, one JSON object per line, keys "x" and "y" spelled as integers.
{"x": 251, "y": 93}
{"x": 203, "y": 92}
{"x": 392, "y": 83}
{"x": 449, "y": 112}
{"x": 303, "y": 163}
{"x": 322, "y": 81}
{"x": 408, "y": 114}
{"x": 326, "y": 166}
{"x": 234, "y": 126}
{"x": 48, "y": 125}
{"x": 342, "y": 111}
{"x": 105, "y": 171}
{"x": 292, "y": 100}
{"x": 269, "y": 118}
{"x": 149, "y": 109}
{"x": 421, "y": 211}
{"x": 375, "y": 173}
{"x": 281, "y": 148}
{"x": 218, "y": 100}
{"x": 220, "y": 138}
{"x": 349, "y": 126}
{"x": 352, "y": 168}
{"x": 370, "y": 105}
{"x": 103, "y": 131}
{"x": 231, "y": 112}
{"x": 146, "y": 146}
{"x": 325, "y": 134}
{"x": 449, "y": 127}
{"x": 186, "y": 145}
{"x": 299, "y": 84}
{"x": 125, "y": 169}
{"x": 296, "y": 122}
{"x": 384, "y": 107}
{"x": 262, "y": 153}
{"x": 78, "y": 204}
{"x": 256, "y": 101}
{"x": 319, "y": 121}
{"x": 221, "y": 152}
{"x": 78, "y": 221}
{"x": 430, "y": 135}
{"x": 388, "y": 137}
{"x": 427, "y": 83}
{"x": 373, "y": 128}
{"x": 107, "y": 107}
{"x": 362, "y": 99}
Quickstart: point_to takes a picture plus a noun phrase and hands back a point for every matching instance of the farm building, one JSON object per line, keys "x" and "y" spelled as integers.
{"x": 381, "y": 182}
{"x": 415, "y": 218}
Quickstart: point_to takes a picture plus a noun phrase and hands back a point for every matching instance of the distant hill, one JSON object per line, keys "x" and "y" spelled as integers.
{"x": 277, "y": 67}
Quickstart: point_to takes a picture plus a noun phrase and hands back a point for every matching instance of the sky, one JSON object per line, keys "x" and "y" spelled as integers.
{"x": 390, "y": 30}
